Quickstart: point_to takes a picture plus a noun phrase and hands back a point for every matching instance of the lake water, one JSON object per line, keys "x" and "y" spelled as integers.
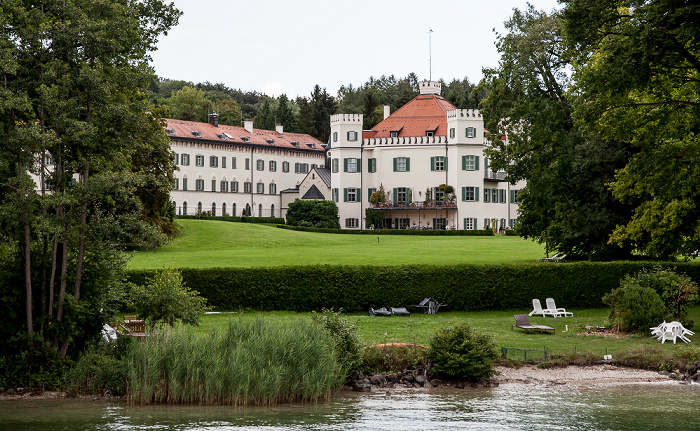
{"x": 646, "y": 406}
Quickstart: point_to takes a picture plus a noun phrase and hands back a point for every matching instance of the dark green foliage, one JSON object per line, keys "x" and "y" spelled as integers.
{"x": 460, "y": 351}
{"x": 392, "y": 357}
{"x": 356, "y": 288}
{"x": 634, "y": 308}
{"x": 313, "y": 213}
{"x": 100, "y": 369}
{"x": 677, "y": 291}
{"x": 344, "y": 335}
{"x": 427, "y": 232}
{"x": 38, "y": 368}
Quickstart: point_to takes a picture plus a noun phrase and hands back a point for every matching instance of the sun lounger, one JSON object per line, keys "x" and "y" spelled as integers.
{"x": 538, "y": 310}
{"x": 557, "y": 312}
{"x": 522, "y": 321}
{"x": 399, "y": 311}
{"x": 379, "y": 312}
{"x": 546, "y": 259}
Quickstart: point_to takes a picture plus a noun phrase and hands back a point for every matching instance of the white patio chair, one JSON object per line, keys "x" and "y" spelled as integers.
{"x": 558, "y": 312}
{"x": 538, "y": 310}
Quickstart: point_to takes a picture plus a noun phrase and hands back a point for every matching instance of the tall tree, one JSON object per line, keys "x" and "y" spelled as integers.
{"x": 80, "y": 144}
{"x": 638, "y": 67}
{"x": 322, "y": 107}
{"x": 304, "y": 122}
{"x": 266, "y": 117}
{"x": 566, "y": 203}
{"x": 190, "y": 104}
{"x": 284, "y": 114}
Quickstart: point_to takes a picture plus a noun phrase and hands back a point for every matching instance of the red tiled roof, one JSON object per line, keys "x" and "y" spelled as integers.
{"x": 425, "y": 112}
{"x": 184, "y": 129}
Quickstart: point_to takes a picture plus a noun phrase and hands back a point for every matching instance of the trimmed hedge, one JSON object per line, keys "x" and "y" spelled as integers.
{"x": 462, "y": 287}
{"x": 270, "y": 220}
{"x": 485, "y": 232}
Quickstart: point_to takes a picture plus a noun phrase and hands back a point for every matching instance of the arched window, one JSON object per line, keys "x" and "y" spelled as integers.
{"x": 272, "y": 210}
{"x": 213, "y": 208}
{"x": 247, "y": 209}
{"x": 184, "y": 208}
{"x": 223, "y": 209}
{"x": 233, "y": 210}
{"x": 199, "y": 207}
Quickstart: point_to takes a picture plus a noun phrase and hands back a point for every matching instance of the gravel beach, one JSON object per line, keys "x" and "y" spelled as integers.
{"x": 588, "y": 375}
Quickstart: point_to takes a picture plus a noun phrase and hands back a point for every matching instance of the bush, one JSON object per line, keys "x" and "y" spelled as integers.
{"x": 460, "y": 351}
{"x": 165, "y": 300}
{"x": 677, "y": 291}
{"x": 634, "y": 308}
{"x": 344, "y": 335}
{"x": 100, "y": 369}
{"x": 392, "y": 358}
{"x": 322, "y": 214}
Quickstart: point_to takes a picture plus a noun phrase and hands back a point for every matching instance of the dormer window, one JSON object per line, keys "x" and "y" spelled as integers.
{"x": 170, "y": 132}
{"x": 245, "y": 139}
{"x": 310, "y": 145}
{"x": 196, "y": 133}
{"x": 270, "y": 141}
{"x": 221, "y": 136}
{"x": 430, "y": 134}
{"x": 295, "y": 143}
{"x": 394, "y": 134}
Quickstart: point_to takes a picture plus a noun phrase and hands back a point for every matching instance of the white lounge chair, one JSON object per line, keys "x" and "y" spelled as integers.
{"x": 545, "y": 259}
{"x": 558, "y": 312}
{"x": 538, "y": 310}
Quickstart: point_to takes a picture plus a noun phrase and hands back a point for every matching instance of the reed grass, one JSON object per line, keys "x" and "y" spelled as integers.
{"x": 251, "y": 362}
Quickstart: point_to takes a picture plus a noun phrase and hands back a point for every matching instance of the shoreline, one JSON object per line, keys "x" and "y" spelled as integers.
{"x": 588, "y": 375}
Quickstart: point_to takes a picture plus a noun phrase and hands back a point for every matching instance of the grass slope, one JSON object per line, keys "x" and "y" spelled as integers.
{"x": 205, "y": 243}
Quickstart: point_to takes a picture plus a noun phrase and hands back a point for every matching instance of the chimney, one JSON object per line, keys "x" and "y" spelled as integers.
{"x": 248, "y": 126}
{"x": 279, "y": 128}
{"x": 387, "y": 111}
{"x": 214, "y": 119}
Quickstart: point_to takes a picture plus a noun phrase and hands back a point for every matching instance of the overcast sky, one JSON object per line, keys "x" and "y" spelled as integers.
{"x": 288, "y": 46}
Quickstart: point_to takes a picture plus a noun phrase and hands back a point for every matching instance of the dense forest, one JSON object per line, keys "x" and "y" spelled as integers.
{"x": 305, "y": 114}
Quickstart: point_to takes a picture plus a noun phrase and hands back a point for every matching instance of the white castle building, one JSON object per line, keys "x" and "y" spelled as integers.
{"x": 237, "y": 170}
{"x": 425, "y": 144}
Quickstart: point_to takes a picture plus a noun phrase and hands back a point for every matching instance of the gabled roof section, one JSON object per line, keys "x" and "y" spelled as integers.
{"x": 425, "y": 112}
{"x": 231, "y": 135}
{"x": 313, "y": 193}
{"x": 324, "y": 174}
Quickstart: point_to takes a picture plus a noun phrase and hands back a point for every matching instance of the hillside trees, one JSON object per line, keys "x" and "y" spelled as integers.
{"x": 83, "y": 161}
{"x": 566, "y": 203}
{"x": 638, "y": 68}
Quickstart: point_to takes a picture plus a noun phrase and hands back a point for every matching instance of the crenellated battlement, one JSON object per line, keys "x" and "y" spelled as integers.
{"x": 346, "y": 119}
{"x": 430, "y": 87}
{"x": 463, "y": 113}
{"x": 406, "y": 140}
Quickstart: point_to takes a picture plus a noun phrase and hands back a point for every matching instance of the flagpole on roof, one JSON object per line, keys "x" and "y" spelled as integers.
{"x": 430, "y": 54}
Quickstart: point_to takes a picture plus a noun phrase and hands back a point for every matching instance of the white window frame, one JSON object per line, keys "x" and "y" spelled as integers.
{"x": 185, "y": 159}
{"x": 260, "y": 188}
{"x": 401, "y": 164}
{"x": 199, "y": 160}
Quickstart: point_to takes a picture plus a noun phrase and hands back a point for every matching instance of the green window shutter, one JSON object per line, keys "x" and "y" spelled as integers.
{"x": 395, "y": 164}
{"x": 434, "y": 220}
{"x": 357, "y": 223}
{"x": 445, "y": 164}
{"x": 395, "y": 196}
{"x": 464, "y": 194}
{"x": 346, "y": 222}
{"x": 512, "y": 196}
{"x": 476, "y": 163}
{"x": 345, "y": 165}
{"x": 464, "y": 163}
{"x": 359, "y": 195}
{"x": 345, "y": 195}
{"x": 476, "y": 194}
{"x": 359, "y": 165}
{"x": 408, "y": 164}
{"x": 369, "y": 193}
{"x": 464, "y": 224}
{"x": 474, "y": 222}
{"x": 432, "y": 163}
{"x": 486, "y": 166}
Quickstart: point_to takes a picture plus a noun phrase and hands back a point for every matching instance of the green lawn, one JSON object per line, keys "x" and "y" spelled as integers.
{"x": 418, "y": 328}
{"x": 205, "y": 243}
